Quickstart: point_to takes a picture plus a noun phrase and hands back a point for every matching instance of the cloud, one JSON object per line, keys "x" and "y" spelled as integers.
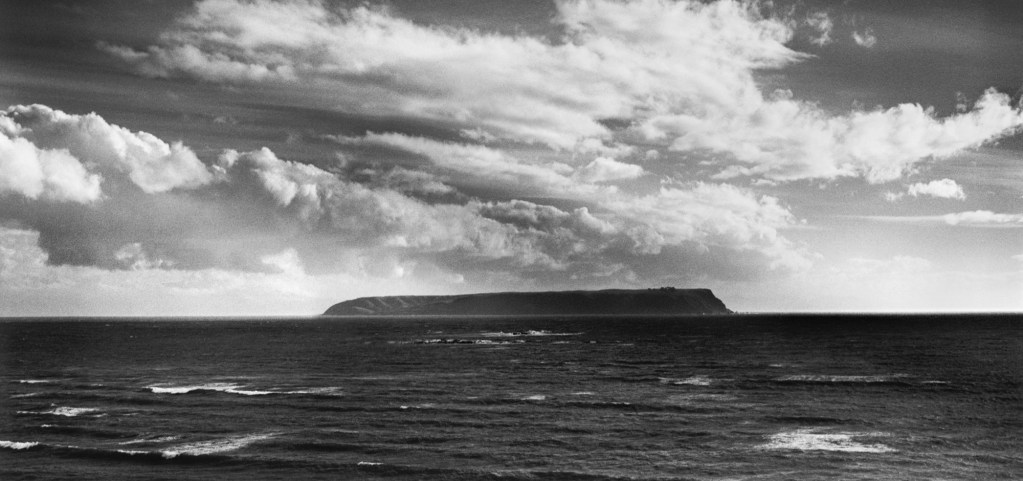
{"x": 976, "y": 218}
{"x": 983, "y": 218}
{"x": 604, "y": 169}
{"x": 49, "y": 174}
{"x": 944, "y": 188}
{"x": 113, "y": 152}
{"x": 865, "y": 39}
{"x": 681, "y": 74}
{"x": 822, "y": 25}
{"x": 483, "y": 166}
{"x": 616, "y": 61}
{"x": 785, "y": 139}
{"x": 252, "y": 213}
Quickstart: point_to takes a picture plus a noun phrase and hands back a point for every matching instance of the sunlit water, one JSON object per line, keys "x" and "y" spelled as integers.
{"x": 711, "y": 398}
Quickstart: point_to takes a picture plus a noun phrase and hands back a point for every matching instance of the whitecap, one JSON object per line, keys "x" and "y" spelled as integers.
{"x": 828, "y": 378}
{"x": 34, "y": 381}
{"x": 530, "y": 332}
{"x": 368, "y": 463}
{"x": 691, "y": 381}
{"x": 214, "y": 446}
{"x": 319, "y": 391}
{"x": 162, "y": 439}
{"x": 31, "y": 394}
{"x": 230, "y": 388}
{"x": 584, "y": 393}
{"x": 811, "y": 440}
{"x": 16, "y": 445}
{"x": 63, "y": 411}
{"x": 418, "y": 406}
{"x": 535, "y": 397}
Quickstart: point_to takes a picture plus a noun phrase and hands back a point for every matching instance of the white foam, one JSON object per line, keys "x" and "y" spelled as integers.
{"x": 418, "y": 406}
{"x": 535, "y": 397}
{"x": 214, "y": 446}
{"x": 368, "y": 463}
{"x": 16, "y": 445}
{"x": 131, "y": 451}
{"x": 163, "y": 439}
{"x": 584, "y": 393}
{"x": 530, "y": 332}
{"x": 691, "y": 381}
{"x": 811, "y": 440}
{"x": 31, "y": 394}
{"x": 230, "y": 388}
{"x": 34, "y": 381}
{"x": 321, "y": 391}
{"x": 63, "y": 411}
{"x": 834, "y": 378}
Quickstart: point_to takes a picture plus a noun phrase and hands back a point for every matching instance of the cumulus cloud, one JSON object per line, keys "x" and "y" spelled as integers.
{"x": 944, "y": 188}
{"x": 822, "y": 25}
{"x": 253, "y": 212}
{"x": 866, "y": 38}
{"x": 148, "y": 162}
{"x": 50, "y": 174}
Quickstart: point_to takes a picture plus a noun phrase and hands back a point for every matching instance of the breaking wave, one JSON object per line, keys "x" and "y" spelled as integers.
{"x": 16, "y": 445}
{"x": 811, "y": 440}
{"x": 691, "y": 381}
{"x": 234, "y": 388}
{"x": 528, "y": 333}
{"x": 214, "y": 446}
{"x": 230, "y": 388}
{"x": 64, "y": 411}
{"x": 828, "y": 378}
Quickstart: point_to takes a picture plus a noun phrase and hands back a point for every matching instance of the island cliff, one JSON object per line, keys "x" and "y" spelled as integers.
{"x": 663, "y": 301}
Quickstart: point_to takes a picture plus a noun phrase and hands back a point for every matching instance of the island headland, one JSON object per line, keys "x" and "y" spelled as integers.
{"x": 661, "y": 301}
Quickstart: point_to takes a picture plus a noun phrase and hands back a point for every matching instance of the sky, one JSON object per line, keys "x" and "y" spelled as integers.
{"x": 254, "y": 157}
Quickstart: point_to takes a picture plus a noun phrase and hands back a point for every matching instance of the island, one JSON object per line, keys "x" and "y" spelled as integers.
{"x": 660, "y": 301}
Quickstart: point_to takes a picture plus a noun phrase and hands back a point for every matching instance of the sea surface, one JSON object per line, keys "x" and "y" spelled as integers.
{"x": 743, "y": 397}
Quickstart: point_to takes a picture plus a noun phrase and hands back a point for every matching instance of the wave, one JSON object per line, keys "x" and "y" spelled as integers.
{"x": 215, "y": 446}
{"x": 64, "y": 411}
{"x": 87, "y": 431}
{"x": 30, "y": 394}
{"x": 828, "y": 378}
{"x": 691, "y": 381}
{"x": 17, "y": 446}
{"x": 35, "y": 381}
{"x": 201, "y": 452}
{"x": 456, "y": 340}
{"x": 234, "y": 388}
{"x": 152, "y": 440}
{"x": 528, "y": 333}
{"x": 812, "y": 440}
{"x": 230, "y": 388}
{"x": 318, "y": 391}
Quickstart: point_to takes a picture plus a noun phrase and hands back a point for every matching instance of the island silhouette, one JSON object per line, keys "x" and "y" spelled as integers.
{"x": 659, "y": 301}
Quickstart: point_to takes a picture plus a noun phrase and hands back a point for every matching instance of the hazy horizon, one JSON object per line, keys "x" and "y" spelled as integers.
{"x": 257, "y": 158}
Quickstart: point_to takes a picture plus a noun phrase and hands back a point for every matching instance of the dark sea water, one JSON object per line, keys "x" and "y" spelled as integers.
{"x": 708, "y": 398}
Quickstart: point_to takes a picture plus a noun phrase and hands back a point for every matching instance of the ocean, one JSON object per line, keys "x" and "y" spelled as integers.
{"x": 742, "y": 397}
